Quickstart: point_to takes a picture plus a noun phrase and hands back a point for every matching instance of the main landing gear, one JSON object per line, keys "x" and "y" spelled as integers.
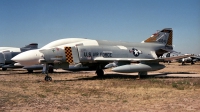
{"x": 192, "y": 62}
{"x": 140, "y": 74}
{"x": 45, "y": 71}
{"x": 4, "y": 69}
{"x": 99, "y": 71}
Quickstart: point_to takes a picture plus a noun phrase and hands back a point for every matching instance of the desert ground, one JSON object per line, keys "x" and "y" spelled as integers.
{"x": 85, "y": 92}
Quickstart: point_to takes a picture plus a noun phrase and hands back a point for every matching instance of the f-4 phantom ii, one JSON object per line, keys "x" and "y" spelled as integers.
{"x": 6, "y": 53}
{"x": 102, "y": 54}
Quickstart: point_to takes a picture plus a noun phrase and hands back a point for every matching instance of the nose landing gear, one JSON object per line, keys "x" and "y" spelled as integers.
{"x": 45, "y": 71}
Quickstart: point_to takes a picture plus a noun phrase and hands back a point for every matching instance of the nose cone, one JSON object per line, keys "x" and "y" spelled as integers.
{"x": 28, "y": 58}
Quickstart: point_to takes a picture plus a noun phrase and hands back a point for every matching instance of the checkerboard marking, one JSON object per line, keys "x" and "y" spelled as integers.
{"x": 68, "y": 53}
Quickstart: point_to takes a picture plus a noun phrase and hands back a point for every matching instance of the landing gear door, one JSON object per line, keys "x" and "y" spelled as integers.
{"x": 72, "y": 56}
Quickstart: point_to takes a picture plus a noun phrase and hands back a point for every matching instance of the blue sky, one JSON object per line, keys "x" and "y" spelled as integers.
{"x": 42, "y": 21}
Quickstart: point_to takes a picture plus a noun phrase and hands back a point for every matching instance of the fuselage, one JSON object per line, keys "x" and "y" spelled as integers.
{"x": 88, "y": 50}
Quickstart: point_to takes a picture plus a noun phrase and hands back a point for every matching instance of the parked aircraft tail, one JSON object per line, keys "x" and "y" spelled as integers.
{"x": 164, "y": 36}
{"x": 32, "y": 46}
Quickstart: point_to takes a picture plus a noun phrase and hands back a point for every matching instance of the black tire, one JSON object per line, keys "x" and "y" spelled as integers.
{"x": 48, "y": 78}
{"x": 4, "y": 69}
{"x": 192, "y": 63}
{"x": 100, "y": 72}
{"x": 30, "y": 71}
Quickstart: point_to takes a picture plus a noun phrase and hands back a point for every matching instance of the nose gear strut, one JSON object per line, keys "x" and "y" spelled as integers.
{"x": 45, "y": 71}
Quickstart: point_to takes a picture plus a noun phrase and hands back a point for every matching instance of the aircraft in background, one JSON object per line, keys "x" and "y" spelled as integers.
{"x": 165, "y": 55}
{"x": 7, "y": 53}
{"x": 101, "y": 54}
{"x": 191, "y": 59}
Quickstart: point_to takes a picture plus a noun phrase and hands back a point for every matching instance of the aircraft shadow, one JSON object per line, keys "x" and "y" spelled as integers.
{"x": 4, "y": 74}
{"x": 125, "y": 76}
{"x": 40, "y": 72}
{"x": 117, "y": 76}
{"x": 110, "y": 76}
{"x": 106, "y": 76}
{"x": 178, "y": 73}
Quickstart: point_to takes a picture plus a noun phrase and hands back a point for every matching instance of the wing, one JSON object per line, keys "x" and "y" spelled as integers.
{"x": 102, "y": 59}
{"x": 174, "y": 58}
{"x": 195, "y": 57}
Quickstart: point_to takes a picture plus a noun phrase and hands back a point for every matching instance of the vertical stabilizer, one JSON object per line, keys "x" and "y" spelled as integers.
{"x": 31, "y": 46}
{"x": 164, "y": 36}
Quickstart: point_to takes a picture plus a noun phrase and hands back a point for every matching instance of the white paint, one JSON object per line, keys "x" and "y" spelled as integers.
{"x": 6, "y": 48}
{"x": 62, "y": 42}
{"x": 122, "y": 47}
{"x": 10, "y": 49}
{"x": 154, "y": 54}
{"x": 70, "y": 42}
{"x": 28, "y": 58}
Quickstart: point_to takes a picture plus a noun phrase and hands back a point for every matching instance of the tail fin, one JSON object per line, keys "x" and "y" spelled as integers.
{"x": 164, "y": 36}
{"x": 31, "y": 46}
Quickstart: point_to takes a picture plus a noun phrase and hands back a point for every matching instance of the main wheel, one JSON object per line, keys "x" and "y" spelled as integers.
{"x": 100, "y": 72}
{"x": 30, "y": 71}
{"x": 4, "y": 69}
{"x": 192, "y": 63}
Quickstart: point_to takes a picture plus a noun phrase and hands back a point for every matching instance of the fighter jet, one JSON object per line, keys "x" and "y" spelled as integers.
{"x": 191, "y": 60}
{"x": 6, "y": 53}
{"x": 101, "y": 54}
